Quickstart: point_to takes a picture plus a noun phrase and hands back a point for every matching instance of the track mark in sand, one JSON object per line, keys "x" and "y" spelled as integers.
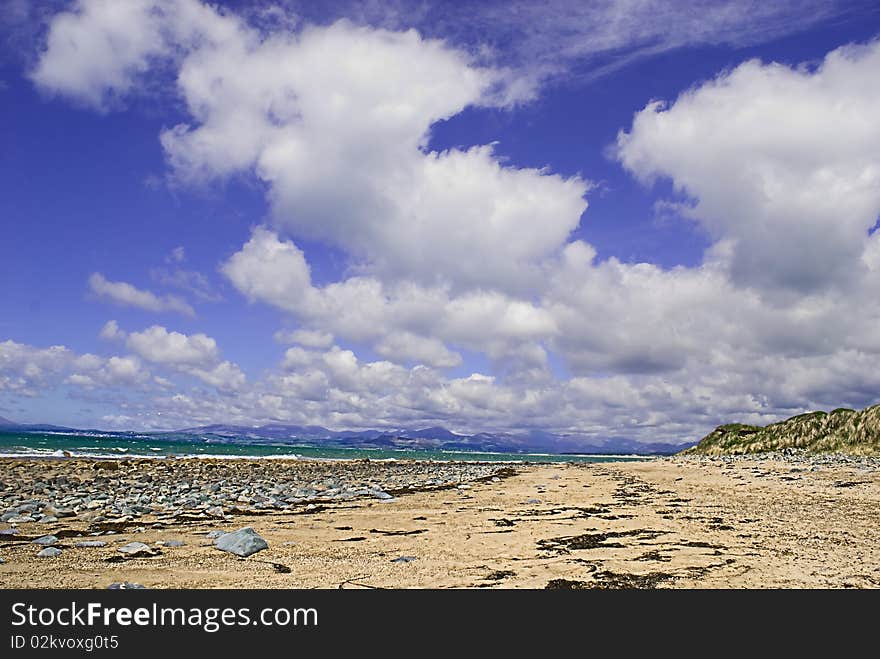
{"x": 413, "y": 532}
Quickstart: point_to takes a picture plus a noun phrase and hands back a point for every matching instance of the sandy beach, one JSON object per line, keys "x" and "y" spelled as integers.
{"x": 692, "y": 522}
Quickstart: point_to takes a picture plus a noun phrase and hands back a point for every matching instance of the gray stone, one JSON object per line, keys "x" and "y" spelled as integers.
{"x": 47, "y": 519}
{"x": 533, "y": 501}
{"x": 214, "y": 534}
{"x": 379, "y": 494}
{"x": 19, "y": 519}
{"x": 135, "y": 548}
{"x": 49, "y": 552}
{"x": 404, "y": 559}
{"x": 45, "y": 540}
{"x": 9, "y": 532}
{"x": 90, "y": 543}
{"x": 172, "y": 543}
{"x": 242, "y": 542}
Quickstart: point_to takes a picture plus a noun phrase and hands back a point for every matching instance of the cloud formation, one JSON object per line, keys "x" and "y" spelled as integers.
{"x": 466, "y": 301}
{"x": 780, "y": 165}
{"x": 123, "y": 293}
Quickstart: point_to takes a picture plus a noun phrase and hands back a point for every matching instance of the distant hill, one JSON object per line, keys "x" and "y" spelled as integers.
{"x": 427, "y": 439}
{"x": 435, "y": 438}
{"x": 6, "y": 424}
{"x": 841, "y": 430}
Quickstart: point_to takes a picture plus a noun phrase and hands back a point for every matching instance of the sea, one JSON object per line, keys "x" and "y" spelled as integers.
{"x": 109, "y": 445}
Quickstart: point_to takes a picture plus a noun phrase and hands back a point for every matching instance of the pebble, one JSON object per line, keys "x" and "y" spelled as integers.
{"x": 46, "y": 540}
{"x": 215, "y": 534}
{"x": 404, "y": 559}
{"x": 533, "y": 501}
{"x": 9, "y": 532}
{"x": 90, "y": 543}
{"x": 243, "y": 542}
{"x": 19, "y": 519}
{"x": 49, "y": 552}
{"x": 171, "y": 543}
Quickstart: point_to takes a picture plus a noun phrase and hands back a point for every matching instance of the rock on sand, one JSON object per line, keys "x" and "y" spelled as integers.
{"x": 243, "y": 542}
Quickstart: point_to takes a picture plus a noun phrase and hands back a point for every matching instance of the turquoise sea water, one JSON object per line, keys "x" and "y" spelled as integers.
{"x": 42, "y": 444}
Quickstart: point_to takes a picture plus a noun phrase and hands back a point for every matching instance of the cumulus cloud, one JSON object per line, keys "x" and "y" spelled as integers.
{"x": 30, "y": 371}
{"x": 781, "y": 165}
{"x": 195, "y": 354}
{"x": 406, "y": 346}
{"x": 111, "y": 331}
{"x": 340, "y": 147}
{"x": 270, "y": 270}
{"x": 99, "y": 50}
{"x": 125, "y": 294}
{"x": 342, "y": 152}
{"x": 405, "y": 321}
{"x": 157, "y": 344}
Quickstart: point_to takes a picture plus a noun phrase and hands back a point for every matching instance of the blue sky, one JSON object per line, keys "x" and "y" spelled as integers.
{"x": 633, "y": 218}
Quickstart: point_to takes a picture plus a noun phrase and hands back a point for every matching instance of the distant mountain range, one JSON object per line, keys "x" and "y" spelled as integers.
{"x": 841, "y": 430}
{"x": 434, "y": 438}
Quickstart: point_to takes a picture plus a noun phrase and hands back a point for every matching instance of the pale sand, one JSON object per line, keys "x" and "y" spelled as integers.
{"x": 684, "y": 524}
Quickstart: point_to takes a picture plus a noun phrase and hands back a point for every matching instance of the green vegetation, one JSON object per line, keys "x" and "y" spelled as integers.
{"x": 842, "y": 430}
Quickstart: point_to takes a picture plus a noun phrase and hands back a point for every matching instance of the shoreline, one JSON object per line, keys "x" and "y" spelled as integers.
{"x": 675, "y": 522}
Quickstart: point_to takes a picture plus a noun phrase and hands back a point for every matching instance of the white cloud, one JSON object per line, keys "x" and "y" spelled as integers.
{"x": 782, "y": 164}
{"x": 340, "y": 149}
{"x": 30, "y": 371}
{"x": 406, "y": 346}
{"x": 156, "y": 344}
{"x": 270, "y": 270}
{"x": 194, "y": 354}
{"x": 125, "y": 294}
{"x": 224, "y": 376}
{"x": 25, "y": 369}
{"x": 111, "y": 331}
{"x": 405, "y": 321}
{"x": 343, "y": 155}
{"x": 97, "y": 52}
{"x": 94, "y": 52}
